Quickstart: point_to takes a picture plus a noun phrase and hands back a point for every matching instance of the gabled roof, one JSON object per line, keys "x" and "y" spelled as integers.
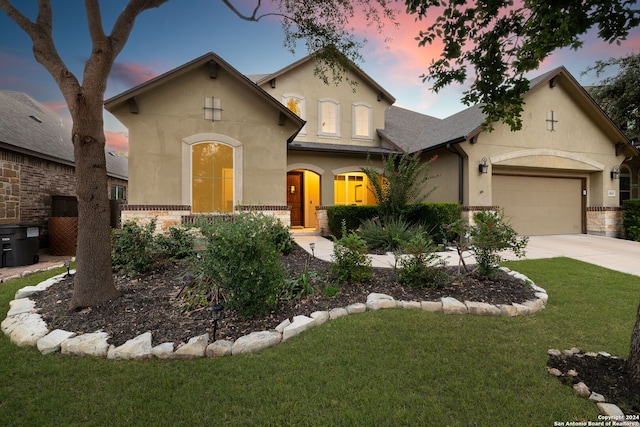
{"x": 467, "y": 123}
{"x": 29, "y": 128}
{"x": 402, "y": 127}
{"x": 261, "y": 79}
{"x": 206, "y": 59}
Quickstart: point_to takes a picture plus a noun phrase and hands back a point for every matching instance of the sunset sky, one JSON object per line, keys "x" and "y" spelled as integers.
{"x": 180, "y": 31}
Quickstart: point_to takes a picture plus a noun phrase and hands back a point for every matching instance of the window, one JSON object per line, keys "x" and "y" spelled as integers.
{"x": 212, "y": 178}
{"x": 352, "y": 189}
{"x": 625, "y": 184}
{"x": 329, "y": 118}
{"x": 296, "y": 104}
{"x": 361, "y": 121}
{"x": 117, "y": 192}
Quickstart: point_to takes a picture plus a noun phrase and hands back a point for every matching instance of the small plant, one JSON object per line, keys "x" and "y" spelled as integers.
{"x": 133, "y": 247}
{"x": 421, "y": 266}
{"x": 388, "y": 236}
{"x": 331, "y": 290}
{"x": 176, "y": 243}
{"x": 302, "y": 285}
{"x": 350, "y": 257}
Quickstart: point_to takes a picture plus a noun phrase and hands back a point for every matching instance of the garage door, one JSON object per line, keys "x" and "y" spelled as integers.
{"x": 539, "y": 206}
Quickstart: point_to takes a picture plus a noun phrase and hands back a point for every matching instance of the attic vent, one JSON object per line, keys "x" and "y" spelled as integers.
{"x": 36, "y": 118}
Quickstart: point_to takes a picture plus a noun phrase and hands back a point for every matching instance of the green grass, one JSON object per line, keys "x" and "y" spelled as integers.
{"x": 390, "y": 367}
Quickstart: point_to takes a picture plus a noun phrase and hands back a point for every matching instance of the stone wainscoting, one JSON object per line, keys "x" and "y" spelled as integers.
{"x": 604, "y": 221}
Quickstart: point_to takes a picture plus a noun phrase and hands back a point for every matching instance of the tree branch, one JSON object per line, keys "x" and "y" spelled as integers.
{"x": 254, "y": 16}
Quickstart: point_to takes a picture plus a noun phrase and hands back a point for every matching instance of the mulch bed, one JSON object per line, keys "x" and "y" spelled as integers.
{"x": 148, "y": 303}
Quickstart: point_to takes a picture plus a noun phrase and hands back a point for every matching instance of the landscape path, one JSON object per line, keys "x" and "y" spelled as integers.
{"x": 615, "y": 254}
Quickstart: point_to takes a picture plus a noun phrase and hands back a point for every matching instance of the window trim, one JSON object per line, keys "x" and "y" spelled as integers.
{"x": 321, "y": 133}
{"x": 354, "y": 127}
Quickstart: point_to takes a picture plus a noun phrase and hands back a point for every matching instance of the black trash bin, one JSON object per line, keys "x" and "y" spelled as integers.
{"x": 20, "y": 244}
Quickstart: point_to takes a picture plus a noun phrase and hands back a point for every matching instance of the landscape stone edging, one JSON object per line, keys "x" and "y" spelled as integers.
{"x": 610, "y": 411}
{"x": 17, "y": 325}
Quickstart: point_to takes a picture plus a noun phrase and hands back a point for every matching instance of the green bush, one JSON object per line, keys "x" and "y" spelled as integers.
{"x": 388, "y": 237}
{"x": 433, "y": 217}
{"x": 350, "y": 256}
{"x": 631, "y": 219}
{"x": 176, "y": 243}
{"x": 421, "y": 266}
{"x": 133, "y": 247}
{"x": 243, "y": 261}
{"x": 352, "y": 216}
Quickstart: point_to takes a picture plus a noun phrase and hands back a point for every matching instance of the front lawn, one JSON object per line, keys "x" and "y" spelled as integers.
{"x": 391, "y": 367}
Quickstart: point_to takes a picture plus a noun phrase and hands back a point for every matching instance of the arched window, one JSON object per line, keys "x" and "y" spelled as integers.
{"x": 361, "y": 121}
{"x": 211, "y": 177}
{"x": 328, "y": 118}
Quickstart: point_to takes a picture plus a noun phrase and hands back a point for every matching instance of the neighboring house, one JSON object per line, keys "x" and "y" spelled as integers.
{"x": 37, "y": 162}
{"x": 204, "y": 138}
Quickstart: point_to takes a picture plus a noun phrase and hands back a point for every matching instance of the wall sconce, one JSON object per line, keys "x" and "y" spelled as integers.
{"x": 615, "y": 172}
{"x": 292, "y": 189}
{"x": 483, "y": 167}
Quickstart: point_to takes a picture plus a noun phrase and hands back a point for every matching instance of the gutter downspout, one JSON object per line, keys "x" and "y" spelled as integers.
{"x": 460, "y": 172}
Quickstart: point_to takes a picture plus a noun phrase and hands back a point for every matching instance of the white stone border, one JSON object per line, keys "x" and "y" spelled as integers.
{"x": 26, "y": 327}
{"x": 609, "y": 411}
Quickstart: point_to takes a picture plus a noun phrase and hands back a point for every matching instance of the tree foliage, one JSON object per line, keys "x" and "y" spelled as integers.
{"x": 499, "y": 41}
{"x": 619, "y": 94}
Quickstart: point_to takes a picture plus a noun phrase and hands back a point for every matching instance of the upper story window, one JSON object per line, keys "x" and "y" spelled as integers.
{"x": 362, "y": 113}
{"x": 329, "y": 118}
{"x": 117, "y": 192}
{"x": 296, "y": 104}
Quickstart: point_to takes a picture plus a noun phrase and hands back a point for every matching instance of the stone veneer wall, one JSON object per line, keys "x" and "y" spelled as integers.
{"x": 27, "y": 185}
{"x": 604, "y": 221}
{"x": 322, "y": 220}
{"x": 173, "y": 215}
{"x": 469, "y": 211}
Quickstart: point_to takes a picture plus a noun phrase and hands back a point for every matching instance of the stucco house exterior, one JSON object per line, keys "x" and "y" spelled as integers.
{"x": 205, "y": 138}
{"x": 37, "y": 162}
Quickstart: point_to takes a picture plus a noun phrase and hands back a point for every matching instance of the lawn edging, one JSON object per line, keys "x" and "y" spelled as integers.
{"x": 25, "y": 327}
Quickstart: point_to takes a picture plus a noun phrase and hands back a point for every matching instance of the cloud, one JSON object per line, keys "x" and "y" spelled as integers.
{"x": 130, "y": 74}
{"x": 118, "y": 141}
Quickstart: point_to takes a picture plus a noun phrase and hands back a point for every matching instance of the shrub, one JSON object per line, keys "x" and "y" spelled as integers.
{"x": 491, "y": 235}
{"x": 631, "y": 219}
{"x": 389, "y": 236}
{"x": 352, "y": 216}
{"x": 133, "y": 247}
{"x": 433, "y": 217}
{"x": 176, "y": 243}
{"x": 243, "y": 262}
{"x": 421, "y": 266}
{"x": 350, "y": 257}
{"x": 400, "y": 184}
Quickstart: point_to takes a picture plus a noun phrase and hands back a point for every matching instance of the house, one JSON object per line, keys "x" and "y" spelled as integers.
{"x": 37, "y": 163}
{"x": 205, "y": 138}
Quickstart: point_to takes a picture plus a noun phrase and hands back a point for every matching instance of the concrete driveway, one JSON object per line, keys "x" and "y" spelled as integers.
{"x": 615, "y": 254}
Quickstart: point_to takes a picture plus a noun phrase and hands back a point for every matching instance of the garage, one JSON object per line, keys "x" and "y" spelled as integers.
{"x": 540, "y": 205}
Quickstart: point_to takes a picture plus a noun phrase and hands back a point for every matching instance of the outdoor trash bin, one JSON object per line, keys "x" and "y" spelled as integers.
{"x": 20, "y": 244}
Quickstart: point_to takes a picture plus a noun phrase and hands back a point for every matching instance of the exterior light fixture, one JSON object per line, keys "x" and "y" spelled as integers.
{"x": 216, "y": 314}
{"x": 483, "y": 167}
{"x": 615, "y": 172}
{"x": 312, "y": 245}
{"x": 292, "y": 189}
{"x": 67, "y": 264}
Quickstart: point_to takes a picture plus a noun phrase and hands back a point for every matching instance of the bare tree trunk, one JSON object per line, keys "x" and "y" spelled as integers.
{"x": 93, "y": 281}
{"x": 633, "y": 362}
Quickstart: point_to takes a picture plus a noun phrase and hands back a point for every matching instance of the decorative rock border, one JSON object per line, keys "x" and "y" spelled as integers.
{"x": 609, "y": 411}
{"x": 25, "y": 327}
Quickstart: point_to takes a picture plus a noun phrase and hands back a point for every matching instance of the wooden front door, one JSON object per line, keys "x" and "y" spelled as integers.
{"x": 295, "y": 200}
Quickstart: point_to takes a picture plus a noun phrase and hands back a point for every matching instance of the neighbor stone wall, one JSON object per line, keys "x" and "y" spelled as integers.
{"x": 9, "y": 192}
{"x": 604, "y": 221}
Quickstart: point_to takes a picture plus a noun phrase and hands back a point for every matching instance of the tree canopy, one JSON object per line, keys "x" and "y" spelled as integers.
{"x": 619, "y": 94}
{"x": 499, "y": 41}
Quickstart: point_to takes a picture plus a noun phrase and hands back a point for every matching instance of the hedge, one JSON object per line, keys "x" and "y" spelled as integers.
{"x": 353, "y": 216}
{"x": 631, "y": 219}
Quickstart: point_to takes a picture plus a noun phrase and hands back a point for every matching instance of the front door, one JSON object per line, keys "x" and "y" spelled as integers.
{"x": 295, "y": 199}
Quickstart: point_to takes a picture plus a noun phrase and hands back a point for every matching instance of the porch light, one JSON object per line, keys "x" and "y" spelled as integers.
{"x": 312, "y": 245}
{"x": 483, "y": 167}
{"x": 216, "y": 314}
{"x": 615, "y": 172}
{"x": 292, "y": 189}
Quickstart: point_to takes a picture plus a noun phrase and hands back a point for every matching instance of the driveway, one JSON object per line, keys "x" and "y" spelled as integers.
{"x": 615, "y": 254}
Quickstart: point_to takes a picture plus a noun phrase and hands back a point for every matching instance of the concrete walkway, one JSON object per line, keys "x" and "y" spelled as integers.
{"x": 615, "y": 254}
